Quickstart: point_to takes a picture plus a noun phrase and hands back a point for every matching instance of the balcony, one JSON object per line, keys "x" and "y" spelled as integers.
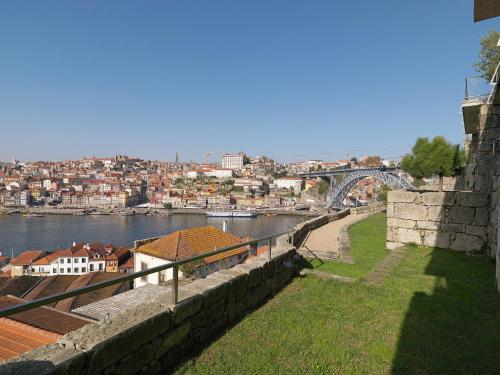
{"x": 478, "y": 92}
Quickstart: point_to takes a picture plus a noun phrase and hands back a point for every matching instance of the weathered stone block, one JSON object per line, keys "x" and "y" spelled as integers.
{"x": 461, "y": 215}
{"x": 436, "y": 213}
{"x": 401, "y": 196}
{"x": 482, "y": 216}
{"x": 409, "y": 236}
{"x": 467, "y": 242}
{"x": 472, "y": 199}
{"x": 438, "y": 199}
{"x": 173, "y": 338}
{"x": 390, "y": 210}
{"x": 401, "y": 223}
{"x": 390, "y": 234}
{"x": 187, "y": 308}
{"x": 135, "y": 361}
{"x": 410, "y": 211}
{"x": 428, "y": 225}
{"x": 437, "y": 239}
{"x": 476, "y": 230}
{"x": 453, "y": 228}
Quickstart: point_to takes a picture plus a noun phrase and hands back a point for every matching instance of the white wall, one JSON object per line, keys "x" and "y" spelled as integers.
{"x": 151, "y": 262}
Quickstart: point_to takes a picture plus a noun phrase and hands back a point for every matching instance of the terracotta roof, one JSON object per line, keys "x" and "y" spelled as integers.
{"x": 18, "y": 286}
{"x": 191, "y": 242}
{"x": 49, "y": 286}
{"x": 27, "y": 257}
{"x": 96, "y": 295}
{"x": 128, "y": 264}
{"x": 45, "y": 318}
{"x": 17, "y": 338}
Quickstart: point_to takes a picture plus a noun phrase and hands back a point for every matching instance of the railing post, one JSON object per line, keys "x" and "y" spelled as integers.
{"x": 269, "y": 249}
{"x": 175, "y": 294}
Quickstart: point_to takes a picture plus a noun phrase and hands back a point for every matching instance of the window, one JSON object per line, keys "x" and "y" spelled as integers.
{"x": 75, "y": 260}
{"x": 100, "y": 266}
{"x": 69, "y": 270}
{"x": 91, "y": 267}
{"x": 76, "y": 269}
{"x": 32, "y": 269}
{"x": 61, "y": 260}
{"x": 54, "y": 270}
{"x": 84, "y": 269}
{"x": 84, "y": 260}
{"x": 68, "y": 260}
{"x": 61, "y": 270}
{"x": 144, "y": 267}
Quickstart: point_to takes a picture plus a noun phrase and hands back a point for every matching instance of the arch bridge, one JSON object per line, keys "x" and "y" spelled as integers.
{"x": 339, "y": 192}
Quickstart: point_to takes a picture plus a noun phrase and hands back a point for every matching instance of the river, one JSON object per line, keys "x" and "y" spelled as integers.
{"x": 18, "y": 233}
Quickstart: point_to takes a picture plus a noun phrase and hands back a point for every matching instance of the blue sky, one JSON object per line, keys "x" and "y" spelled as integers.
{"x": 288, "y": 79}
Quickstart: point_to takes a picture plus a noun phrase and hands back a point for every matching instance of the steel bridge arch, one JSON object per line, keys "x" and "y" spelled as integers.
{"x": 340, "y": 192}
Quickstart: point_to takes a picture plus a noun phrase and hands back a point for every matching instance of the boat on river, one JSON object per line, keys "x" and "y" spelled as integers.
{"x": 235, "y": 214}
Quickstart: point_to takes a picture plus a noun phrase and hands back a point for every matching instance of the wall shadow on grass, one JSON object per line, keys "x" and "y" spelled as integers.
{"x": 456, "y": 329}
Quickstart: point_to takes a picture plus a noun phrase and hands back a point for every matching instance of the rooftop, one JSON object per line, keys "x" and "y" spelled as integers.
{"x": 191, "y": 242}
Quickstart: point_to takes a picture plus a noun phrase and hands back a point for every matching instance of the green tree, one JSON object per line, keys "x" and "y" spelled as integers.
{"x": 168, "y": 206}
{"x": 437, "y": 157}
{"x": 489, "y": 56}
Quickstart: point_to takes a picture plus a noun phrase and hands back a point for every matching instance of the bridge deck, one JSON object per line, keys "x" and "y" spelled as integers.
{"x": 323, "y": 242}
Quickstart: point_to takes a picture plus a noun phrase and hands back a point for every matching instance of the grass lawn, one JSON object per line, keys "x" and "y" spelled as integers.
{"x": 367, "y": 248}
{"x": 437, "y": 313}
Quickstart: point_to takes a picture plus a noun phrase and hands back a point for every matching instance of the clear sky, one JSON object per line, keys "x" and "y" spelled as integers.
{"x": 289, "y": 79}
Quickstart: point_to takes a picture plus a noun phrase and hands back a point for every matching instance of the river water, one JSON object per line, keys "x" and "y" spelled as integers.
{"x": 51, "y": 232}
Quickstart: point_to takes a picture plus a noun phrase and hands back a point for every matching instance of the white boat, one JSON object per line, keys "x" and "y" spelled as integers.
{"x": 231, "y": 214}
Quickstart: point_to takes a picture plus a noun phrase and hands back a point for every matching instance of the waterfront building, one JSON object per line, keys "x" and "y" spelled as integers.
{"x": 21, "y": 265}
{"x": 293, "y": 183}
{"x": 185, "y": 244}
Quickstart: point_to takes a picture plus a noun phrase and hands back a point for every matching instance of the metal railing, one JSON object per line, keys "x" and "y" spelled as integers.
{"x": 477, "y": 88}
{"x": 25, "y": 306}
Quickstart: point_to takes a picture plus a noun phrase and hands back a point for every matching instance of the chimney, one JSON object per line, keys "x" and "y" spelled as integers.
{"x": 74, "y": 243}
{"x": 224, "y": 226}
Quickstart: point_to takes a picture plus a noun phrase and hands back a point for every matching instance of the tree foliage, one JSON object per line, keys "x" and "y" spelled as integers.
{"x": 373, "y": 161}
{"x": 436, "y": 157}
{"x": 489, "y": 56}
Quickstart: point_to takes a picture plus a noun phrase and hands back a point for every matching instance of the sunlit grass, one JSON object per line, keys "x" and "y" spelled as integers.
{"x": 438, "y": 312}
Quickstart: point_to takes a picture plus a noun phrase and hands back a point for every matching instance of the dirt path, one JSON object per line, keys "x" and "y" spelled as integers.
{"x": 377, "y": 276}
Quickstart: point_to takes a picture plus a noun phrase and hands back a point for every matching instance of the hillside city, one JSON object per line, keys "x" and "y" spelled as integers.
{"x": 239, "y": 181}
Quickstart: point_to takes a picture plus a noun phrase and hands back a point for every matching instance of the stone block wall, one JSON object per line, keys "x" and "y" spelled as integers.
{"x": 302, "y": 229}
{"x": 153, "y": 338}
{"x": 456, "y": 220}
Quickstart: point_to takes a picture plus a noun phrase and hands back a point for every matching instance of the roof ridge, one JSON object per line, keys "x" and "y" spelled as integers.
{"x": 179, "y": 236}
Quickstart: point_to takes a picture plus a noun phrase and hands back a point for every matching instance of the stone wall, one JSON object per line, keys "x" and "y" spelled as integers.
{"x": 302, "y": 229}
{"x": 375, "y": 207}
{"x": 450, "y": 220}
{"x": 153, "y": 338}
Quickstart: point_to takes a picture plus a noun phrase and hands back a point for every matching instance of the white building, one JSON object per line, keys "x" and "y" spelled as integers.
{"x": 294, "y": 183}
{"x": 220, "y": 173}
{"x": 232, "y": 161}
{"x": 184, "y": 244}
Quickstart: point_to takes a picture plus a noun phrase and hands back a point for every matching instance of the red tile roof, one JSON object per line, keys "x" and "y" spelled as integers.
{"x": 27, "y": 257}
{"x": 44, "y": 318}
{"x": 191, "y": 242}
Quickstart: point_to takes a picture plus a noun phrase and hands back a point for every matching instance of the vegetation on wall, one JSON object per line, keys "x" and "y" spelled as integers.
{"x": 489, "y": 56}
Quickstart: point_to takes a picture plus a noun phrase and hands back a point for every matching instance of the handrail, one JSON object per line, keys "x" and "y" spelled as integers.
{"x": 25, "y": 306}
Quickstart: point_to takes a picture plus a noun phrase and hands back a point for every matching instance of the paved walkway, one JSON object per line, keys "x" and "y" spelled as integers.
{"x": 323, "y": 242}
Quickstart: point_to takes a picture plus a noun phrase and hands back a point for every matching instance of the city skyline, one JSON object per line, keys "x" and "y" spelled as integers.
{"x": 123, "y": 78}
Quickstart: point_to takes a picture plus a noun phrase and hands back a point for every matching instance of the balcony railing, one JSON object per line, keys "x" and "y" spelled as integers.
{"x": 175, "y": 282}
{"x": 478, "y": 89}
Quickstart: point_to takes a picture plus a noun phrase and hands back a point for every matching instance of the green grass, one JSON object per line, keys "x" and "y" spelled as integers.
{"x": 437, "y": 313}
{"x": 367, "y": 248}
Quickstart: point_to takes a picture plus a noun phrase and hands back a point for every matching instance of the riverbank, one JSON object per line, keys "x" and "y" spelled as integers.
{"x": 152, "y": 211}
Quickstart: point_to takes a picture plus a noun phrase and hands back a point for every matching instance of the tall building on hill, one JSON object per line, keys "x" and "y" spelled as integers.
{"x": 232, "y": 161}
